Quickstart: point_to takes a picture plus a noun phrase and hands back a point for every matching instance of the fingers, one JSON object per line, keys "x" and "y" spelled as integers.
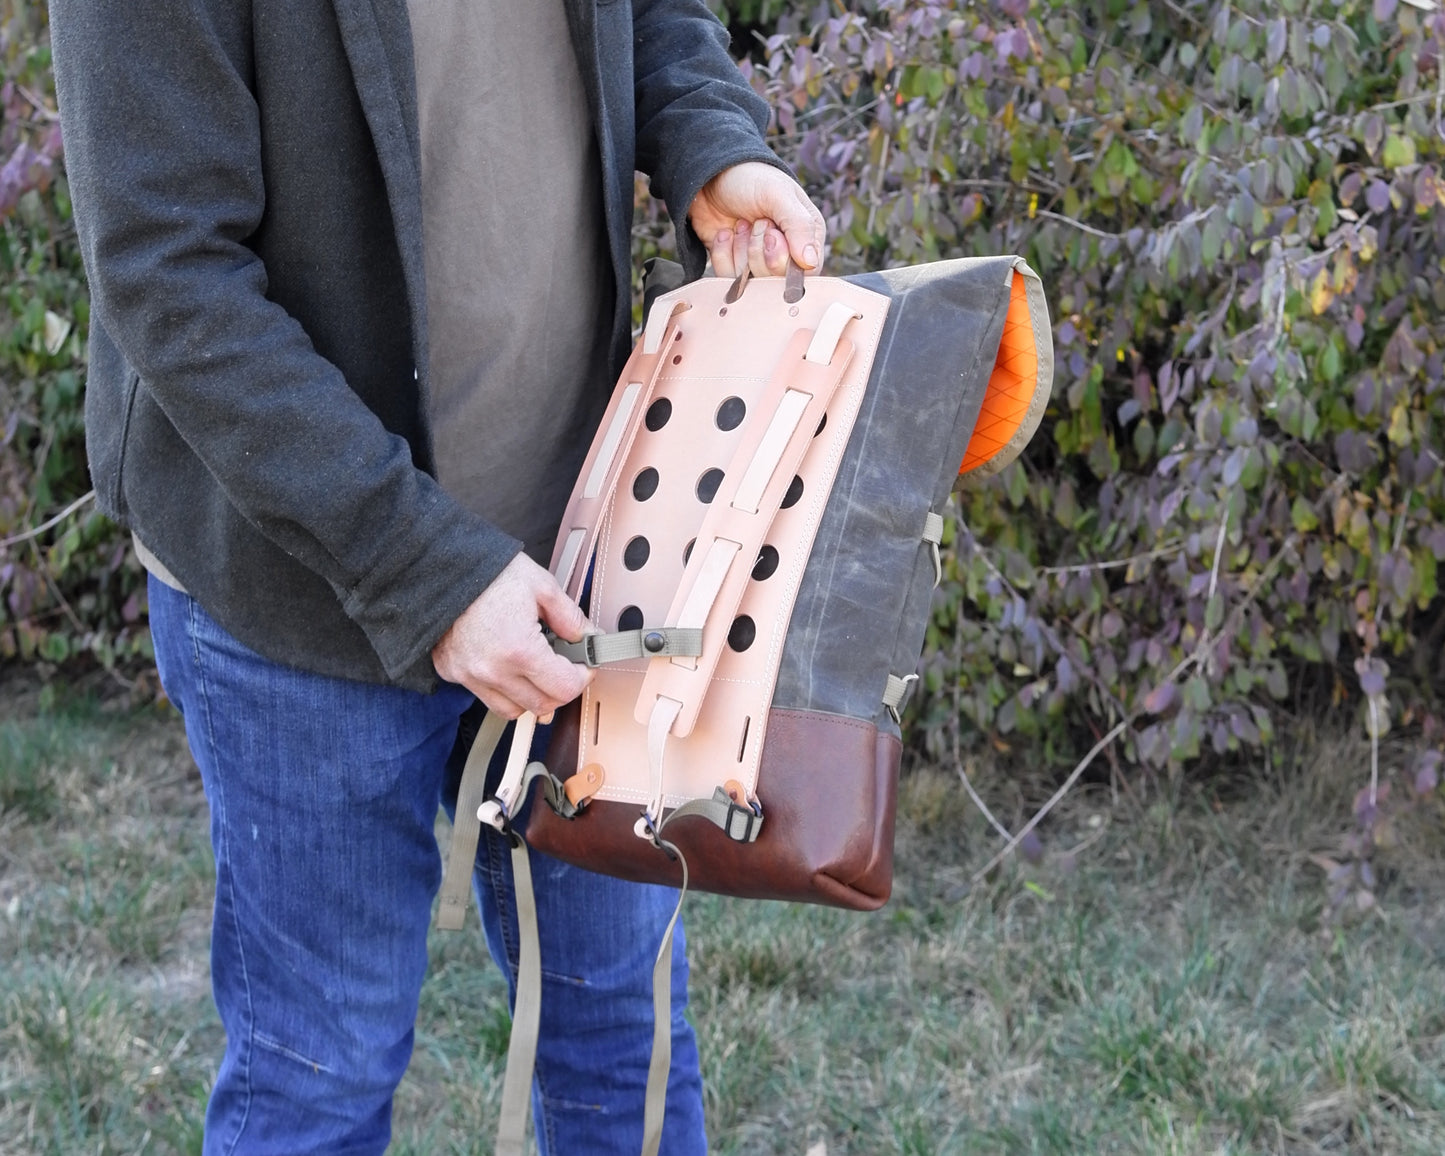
{"x": 496, "y": 648}
{"x": 775, "y": 252}
{"x": 561, "y": 615}
{"x": 760, "y": 247}
{"x": 756, "y": 261}
{"x": 721, "y": 252}
{"x": 498, "y": 703}
{"x": 742, "y": 235}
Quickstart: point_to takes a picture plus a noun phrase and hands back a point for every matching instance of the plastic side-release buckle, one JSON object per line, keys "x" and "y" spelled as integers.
{"x": 744, "y": 818}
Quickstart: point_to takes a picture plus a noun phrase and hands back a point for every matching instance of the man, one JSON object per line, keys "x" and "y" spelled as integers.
{"x": 359, "y": 287}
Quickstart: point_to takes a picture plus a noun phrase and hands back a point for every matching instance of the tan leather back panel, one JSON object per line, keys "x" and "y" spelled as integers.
{"x": 724, "y": 369}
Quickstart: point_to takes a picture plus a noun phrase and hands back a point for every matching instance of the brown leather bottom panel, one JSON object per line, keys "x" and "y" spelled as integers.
{"x": 828, "y": 786}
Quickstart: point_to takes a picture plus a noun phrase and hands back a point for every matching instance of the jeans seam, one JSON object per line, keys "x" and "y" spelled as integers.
{"x": 205, "y": 703}
{"x": 275, "y": 1046}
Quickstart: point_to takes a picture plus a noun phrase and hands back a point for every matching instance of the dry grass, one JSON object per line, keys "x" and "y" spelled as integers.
{"x": 1167, "y": 978}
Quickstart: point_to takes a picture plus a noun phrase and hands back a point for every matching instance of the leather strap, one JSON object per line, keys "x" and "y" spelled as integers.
{"x": 711, "y": 585}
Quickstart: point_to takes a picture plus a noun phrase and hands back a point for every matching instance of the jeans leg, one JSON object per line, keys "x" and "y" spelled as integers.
{"x": 323, "y": 795}
{"x": 599, "y": 938}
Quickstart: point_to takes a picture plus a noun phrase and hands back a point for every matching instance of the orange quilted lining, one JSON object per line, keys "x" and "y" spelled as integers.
{"x": 1010, "y": 388}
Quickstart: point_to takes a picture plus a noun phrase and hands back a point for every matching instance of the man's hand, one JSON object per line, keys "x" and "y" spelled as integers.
{"x": 497, "y": 651}
{"x": 754, "y": 216}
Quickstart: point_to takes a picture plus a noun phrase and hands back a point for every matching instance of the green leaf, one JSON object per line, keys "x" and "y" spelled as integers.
{"x": 1196, "y": 695}
{"x": 1214, "y": 612}
{"x": 1399, "y": 151}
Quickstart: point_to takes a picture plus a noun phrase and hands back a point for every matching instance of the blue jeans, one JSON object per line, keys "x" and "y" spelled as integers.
{"x": 323, "y": 795}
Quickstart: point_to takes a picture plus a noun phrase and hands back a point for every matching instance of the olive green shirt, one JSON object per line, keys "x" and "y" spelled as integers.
{"x": 519, "y": 298}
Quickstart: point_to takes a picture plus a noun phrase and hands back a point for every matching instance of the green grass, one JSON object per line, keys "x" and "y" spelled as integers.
{"x": 1168, "y": 979}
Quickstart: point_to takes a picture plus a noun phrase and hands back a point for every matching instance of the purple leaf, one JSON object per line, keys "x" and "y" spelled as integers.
{"x": 1377, "y": 196}
{"x": 1371, "y": 672}
{"x": 1427, "y": 772}
{"x": 1161, "y": 698}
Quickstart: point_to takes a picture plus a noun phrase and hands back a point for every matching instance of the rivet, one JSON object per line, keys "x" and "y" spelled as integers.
{"x": 792, "y": 311}
{"x": 653, "y": 642}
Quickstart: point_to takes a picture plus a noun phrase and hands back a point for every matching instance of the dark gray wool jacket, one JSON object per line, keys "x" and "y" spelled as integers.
{"x": 246, "y": 181}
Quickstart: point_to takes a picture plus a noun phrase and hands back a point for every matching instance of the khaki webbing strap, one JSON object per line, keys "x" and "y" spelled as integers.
{"x": 627, "y": 645}
{"x": 654, "y": 1104}
{"x": 526, "y": 1016}
{"x": 526, "y": 1011}
{"x": 466, "y": 827}
{"x": 895, "y": 690}
{"x": 933, "y": 535}
{"x": 739, "y": 821}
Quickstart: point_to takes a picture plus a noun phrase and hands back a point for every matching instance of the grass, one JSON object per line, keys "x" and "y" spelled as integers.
{"x": 1168, "y": 978}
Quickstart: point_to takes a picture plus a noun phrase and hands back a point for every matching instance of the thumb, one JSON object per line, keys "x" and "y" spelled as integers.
{"x": 563, "y": 616}
{"x": 801, "y": 223}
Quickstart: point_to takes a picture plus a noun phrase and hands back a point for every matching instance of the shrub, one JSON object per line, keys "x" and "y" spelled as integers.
{"x": 71, "y": 591}
{"x": 1237, "y": 211}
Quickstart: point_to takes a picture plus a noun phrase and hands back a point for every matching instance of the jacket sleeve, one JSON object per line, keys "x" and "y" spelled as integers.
{"x": 162, "y": 144}
{"x": 696, "y": 116}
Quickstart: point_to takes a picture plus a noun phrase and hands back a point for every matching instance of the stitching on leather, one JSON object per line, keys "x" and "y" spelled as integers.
{"x": 832, "y": 719}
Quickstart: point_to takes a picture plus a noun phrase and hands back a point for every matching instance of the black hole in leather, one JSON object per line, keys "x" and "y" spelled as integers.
{"x": 822, "y": 424}
{"x": 743, "y": 633}
{"x": 657, "y": 414}
{"x": 731, "y": 413}
{"x": 766, "y": 564}
{"x": 794, "y": 494}
{"x": 687, "y": 551}
{"x": 645, "y": 484}
{"x": 634, "y": 557}
{"x": 707, "y": 485}
{"x": 630, "y": 618}
{"x": 677, "y": 360}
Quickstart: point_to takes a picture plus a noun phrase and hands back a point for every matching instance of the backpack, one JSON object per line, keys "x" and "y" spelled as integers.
{"x": 758, "y": 520}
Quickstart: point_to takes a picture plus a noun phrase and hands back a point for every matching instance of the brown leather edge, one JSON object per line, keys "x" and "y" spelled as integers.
{"x": 828, "y": 787}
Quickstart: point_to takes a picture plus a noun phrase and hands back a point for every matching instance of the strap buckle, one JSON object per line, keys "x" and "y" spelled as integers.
{"x": 583, "y": 651}
{"x": 742, "y": 821}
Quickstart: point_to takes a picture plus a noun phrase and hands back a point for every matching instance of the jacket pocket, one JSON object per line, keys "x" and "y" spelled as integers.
{"x": 117, "y": 478}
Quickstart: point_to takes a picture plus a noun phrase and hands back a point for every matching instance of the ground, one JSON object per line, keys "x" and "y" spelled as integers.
{"x": 1168, "y": 977}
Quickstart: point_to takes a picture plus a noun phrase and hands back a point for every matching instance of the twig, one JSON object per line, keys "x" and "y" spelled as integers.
{"x": 1192, "y": 659}
{"x": 1047, "y": 630}
{"x": 1114, "y": 563}
{"x": 55, "y": 521}
{"x": 981, "y": 805}
{"x": 1218, "y": 551}
{"x": 1073, "y": 778}
{"x": 1093, "y": 232}
{"x": 1400, "y": 525}
{"x": 1374, "y": 751}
